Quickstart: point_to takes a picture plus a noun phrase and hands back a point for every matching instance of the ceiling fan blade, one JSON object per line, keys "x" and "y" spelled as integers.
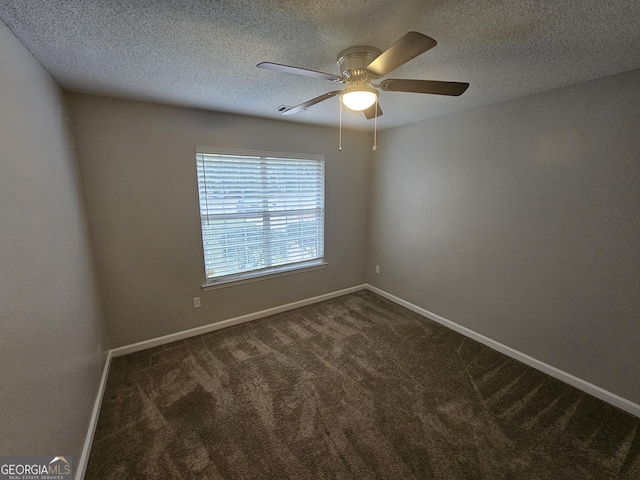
{"x": 409, "y": 46}
{"x": 424, "y": 86}
{"x": 313, "y": 101}
{"x": 299, "y": 71}
{"x": 371, "y": 111}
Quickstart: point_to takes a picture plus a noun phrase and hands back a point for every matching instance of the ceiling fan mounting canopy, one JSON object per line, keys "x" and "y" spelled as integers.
{"x": 356, "y": 59}
{"x": 360, "y": 65}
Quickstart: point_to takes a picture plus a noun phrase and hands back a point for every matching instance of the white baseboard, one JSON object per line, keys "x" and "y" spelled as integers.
{"x": 81, "y": 467}
{"x": 602, "y": 394}
{"x": 154, "y": 342}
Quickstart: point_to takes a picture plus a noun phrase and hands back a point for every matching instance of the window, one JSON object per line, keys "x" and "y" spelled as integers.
{"x": 261, "y": 213}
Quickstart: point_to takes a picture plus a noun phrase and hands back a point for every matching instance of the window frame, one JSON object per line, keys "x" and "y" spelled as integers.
{"x": 267, "y": 272}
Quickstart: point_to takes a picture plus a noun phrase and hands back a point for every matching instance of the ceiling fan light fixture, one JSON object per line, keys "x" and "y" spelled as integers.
{"x": 359, "y": 98}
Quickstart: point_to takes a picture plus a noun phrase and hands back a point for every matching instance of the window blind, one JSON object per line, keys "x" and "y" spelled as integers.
{"x": 260, "y": 213}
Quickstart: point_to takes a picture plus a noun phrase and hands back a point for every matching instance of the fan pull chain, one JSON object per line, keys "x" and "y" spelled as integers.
{"x": 340, "y": 141}
{"x": 375, "y": 128}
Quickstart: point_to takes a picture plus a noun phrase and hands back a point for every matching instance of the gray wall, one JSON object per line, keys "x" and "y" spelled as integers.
{"x": 138, "y": 168}
{"x": 52, "y": 341}
{"x": 521, "y": 221}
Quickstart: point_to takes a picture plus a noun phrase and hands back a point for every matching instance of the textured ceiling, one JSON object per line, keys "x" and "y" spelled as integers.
{"x": 203, "y": 53}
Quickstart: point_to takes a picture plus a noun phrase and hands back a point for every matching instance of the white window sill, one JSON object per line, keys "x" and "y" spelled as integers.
{"x": 251, "y": 277}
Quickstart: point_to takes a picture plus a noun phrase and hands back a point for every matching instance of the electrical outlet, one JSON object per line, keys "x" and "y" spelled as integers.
{"x": 377, "y": 268}
{"x": 196, "y": 302}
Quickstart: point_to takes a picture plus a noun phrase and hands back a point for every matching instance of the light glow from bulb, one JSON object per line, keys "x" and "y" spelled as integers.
{"x": 360, "y": 99}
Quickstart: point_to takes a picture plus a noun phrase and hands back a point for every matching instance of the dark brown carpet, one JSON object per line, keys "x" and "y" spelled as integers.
{"x": 352, "y": 388}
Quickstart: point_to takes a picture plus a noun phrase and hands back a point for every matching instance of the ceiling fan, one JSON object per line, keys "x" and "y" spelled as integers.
{"x": 361, "y": 65}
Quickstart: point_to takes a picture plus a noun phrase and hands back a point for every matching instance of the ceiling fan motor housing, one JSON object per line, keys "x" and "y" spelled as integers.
{"x": 354, "y": 60}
